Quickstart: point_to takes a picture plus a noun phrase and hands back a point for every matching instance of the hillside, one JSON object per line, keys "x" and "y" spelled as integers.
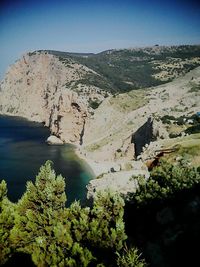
{"x": 127, "y": 69}
{"x": 91, "y": 99}
{"x": 118, "y": 117}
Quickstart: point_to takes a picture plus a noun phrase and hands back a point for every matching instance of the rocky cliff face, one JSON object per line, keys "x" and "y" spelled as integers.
{"x": 150, "y": 131}
{"x": 37, "y": 87}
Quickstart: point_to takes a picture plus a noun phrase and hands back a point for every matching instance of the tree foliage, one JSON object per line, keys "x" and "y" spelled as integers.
{"x": 7, "y": 210}
{"x": 41, "y": 225}
{"x": 107, "y": 221}
{"x": 165, "y": 180}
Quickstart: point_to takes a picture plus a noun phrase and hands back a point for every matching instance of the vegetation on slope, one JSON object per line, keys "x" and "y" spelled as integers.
{"x": 187, "y": 146}
{"x": 128, "y": 102}
{"x": 127, "y": 69}
{"x": 165, "y": 181}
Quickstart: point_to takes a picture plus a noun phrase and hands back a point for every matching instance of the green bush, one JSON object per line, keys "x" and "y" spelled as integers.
{"x": 180, "y": 121}
{"x": 130, "y": 258}
{"x": 193, "y": 129}
{"x": 194, "y": 88}
{"x": 94, "y": 104}
{"x": 165, "y": 180}
{"x": 166, "y": 119}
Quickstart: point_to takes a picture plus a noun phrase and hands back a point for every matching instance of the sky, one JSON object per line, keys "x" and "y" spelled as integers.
{"x": 94, "y": 25}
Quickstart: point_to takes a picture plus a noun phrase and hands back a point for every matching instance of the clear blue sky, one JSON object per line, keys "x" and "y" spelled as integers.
{"x": 94, "y": 25}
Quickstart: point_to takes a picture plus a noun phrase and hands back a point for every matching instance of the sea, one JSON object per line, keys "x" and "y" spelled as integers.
{"x": 23, "y": 150}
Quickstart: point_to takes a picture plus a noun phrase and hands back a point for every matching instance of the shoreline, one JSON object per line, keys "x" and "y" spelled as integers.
{"x": 98, "y": 168}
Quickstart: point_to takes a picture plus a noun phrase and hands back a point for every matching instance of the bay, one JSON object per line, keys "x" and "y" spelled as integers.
{"x": 23, "y": 150}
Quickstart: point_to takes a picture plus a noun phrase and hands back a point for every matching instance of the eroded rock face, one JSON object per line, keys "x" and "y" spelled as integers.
{"x": 35, "y": 88}
{"x": 67, "y": 117}
{"x": 150, "y": 131}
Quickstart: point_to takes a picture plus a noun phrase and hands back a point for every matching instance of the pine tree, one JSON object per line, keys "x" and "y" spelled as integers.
{"x": 107, "y": 228}
{"x": 166, "y": 180}
{"x": 7, "y": 211}
{"x": 58, "y": 236}
{"x": 39, "y": 217}
{"x": 43, "y": 227}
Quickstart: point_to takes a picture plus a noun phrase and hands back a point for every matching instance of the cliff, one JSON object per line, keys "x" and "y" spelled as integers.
{"x": 39, "y": 88}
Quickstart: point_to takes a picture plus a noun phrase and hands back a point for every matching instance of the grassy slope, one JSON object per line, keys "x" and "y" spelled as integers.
{"x": 188, "y": 146}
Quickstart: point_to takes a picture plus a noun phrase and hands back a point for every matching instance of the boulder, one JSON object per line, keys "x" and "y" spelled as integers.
{"x": 115, "y": 168}
{"x": 54, "y": 140}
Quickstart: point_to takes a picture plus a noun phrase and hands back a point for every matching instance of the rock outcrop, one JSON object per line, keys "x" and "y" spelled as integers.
{"x": 119, "y": 180}
{"x": 37, "y": 87}
{"x": 151, "y": 130}
{"x": 53, "y": 140}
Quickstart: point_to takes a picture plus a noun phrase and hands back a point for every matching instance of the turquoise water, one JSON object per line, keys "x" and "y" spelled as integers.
{"x": 23, "y": 150}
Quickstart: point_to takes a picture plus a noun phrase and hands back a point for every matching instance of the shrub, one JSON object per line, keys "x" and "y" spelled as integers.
{"x": 165, "y": 180}
{"x": 94, "y": 104}
{"x": 130, "y": 258}
{"x": 166, "y": 119}
{"x": 193, "y": 129}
